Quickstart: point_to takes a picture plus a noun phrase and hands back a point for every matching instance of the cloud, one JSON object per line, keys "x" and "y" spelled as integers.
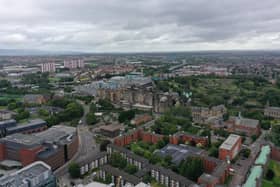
{"x": 132, "y": 25}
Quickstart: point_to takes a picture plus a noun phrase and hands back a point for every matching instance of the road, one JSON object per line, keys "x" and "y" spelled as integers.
{"x": 87, "y": 146}
{"x": 243, "y": 165}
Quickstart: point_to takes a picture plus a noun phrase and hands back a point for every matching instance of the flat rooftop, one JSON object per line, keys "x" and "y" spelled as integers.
{"x": 230, "y": 142}
{"x": 23, "y": 139}
{"x": 112, "y": 127}
{"x": 29, "y": 172}
{"x": 56, "y": 133}
{"x": 179, "y": 152}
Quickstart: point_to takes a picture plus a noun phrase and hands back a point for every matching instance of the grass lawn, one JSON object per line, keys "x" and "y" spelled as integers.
{"x": 275, "y": 166}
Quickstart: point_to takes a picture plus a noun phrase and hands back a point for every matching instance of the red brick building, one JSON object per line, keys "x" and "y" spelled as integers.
{"x": 54, "y": 146}
{"x": 243, "y": 125}
{"x": 138, "y": 120}
{"x": 184, "y": 137}
{"x": 230, "y": 147}
{"x": 140, "y": 134}
{"x": 215, "y": 172}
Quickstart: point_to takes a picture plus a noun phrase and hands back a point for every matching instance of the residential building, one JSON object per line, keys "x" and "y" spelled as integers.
{"x": 273, "y": 112}
{"x": 92, "y": 162}
{"x": 230, "y": 147}
{"x": 48, "y": 67}
{"x": 119, "y": 177}
{"x": 169, "y": 178}
{"x": 74, "y": 64}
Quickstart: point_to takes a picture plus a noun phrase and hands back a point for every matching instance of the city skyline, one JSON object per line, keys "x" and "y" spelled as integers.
{"x": 142, "y": 26}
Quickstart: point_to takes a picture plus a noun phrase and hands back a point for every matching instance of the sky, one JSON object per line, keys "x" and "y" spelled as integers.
{"x": 139, "y": 25}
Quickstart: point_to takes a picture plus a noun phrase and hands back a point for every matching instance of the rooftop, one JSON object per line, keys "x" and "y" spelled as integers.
{"x": 230, "y": 142}
{"x": 112, "y": 127}
{"x": 31, "y": 171}
{"x": 245, "y": 121}
{"x": 56, "y": 133}
{"x": 23, "y": 139}
{"x": 178, "y": 152}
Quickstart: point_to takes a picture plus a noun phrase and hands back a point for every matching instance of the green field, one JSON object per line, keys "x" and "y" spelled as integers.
{"x": 275, "y": 166}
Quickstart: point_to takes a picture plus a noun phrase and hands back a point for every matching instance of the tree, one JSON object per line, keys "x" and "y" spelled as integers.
{"x": 126, "y": 115}
{"x": 22, "y": 115}
{"x": 245, "y": 152}
{"x": 214, "y": 152}
{"x": 269, "y": 174}
{"x": 118, "y": 161}
{"x": 191, "y": 168}
{"x": 160, "y": 144}
{"x": 74, "y": 170}
{"x": 131, "y": 169}
{"x": 91, "y": 119}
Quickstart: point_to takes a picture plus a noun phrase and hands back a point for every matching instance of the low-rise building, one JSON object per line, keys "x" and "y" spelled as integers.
{"x": 112, "y": 130}
{"x": 273, "y": 112}
{"x": 55, "y": 146}
{"x": 6, "y": 114}
{"x": 140, "y": 119}
{"x": 169, "y": 178}
{"x": 119, "y": 177}
{"x": 230, "y": 147}
{"x": 240, "y": 124}
{"x": 34, "y": 99}
{"x": 37, "y": 174}
{"x": 204, "y": 115}
{"x": 131, "y": 158}
{"x": 178, "y": 153}
{"x": 9, "y": 127}
{"x": 92, "y": 162}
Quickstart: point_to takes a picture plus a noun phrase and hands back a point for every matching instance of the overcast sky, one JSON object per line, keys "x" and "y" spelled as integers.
{"x": 139, "y": 25}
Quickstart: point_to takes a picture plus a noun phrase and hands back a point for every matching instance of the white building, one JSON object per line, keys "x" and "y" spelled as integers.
{"x": 48, "y": 67}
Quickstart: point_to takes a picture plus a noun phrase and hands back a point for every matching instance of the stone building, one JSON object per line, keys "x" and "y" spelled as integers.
{"x": 204, "y": 115}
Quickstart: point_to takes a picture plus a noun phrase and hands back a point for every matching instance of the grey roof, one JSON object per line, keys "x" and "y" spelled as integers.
{"x": 29, "y": 172}
{"x": 91, "y": 157}
{"x": 178, "y": 152}
{"x": 56, "y": 134}
{"x": 116, "y": 172}
{"x": 220, "y": 169}
{"x": 22, "y": 139}
{"x": 230, "y": 142}
{"x": 6, "y": 123}
{"x": 273, "y": 108}
{"x": 208, "y": 178}
{"x": 35, "y": 123}
{"x": 253, "y": 123}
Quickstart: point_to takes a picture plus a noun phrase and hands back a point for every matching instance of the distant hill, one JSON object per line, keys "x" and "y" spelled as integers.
{"x": 31, "y": 52}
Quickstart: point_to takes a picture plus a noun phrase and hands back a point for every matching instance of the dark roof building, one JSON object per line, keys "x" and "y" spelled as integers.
{"x": 179, "y": 152}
